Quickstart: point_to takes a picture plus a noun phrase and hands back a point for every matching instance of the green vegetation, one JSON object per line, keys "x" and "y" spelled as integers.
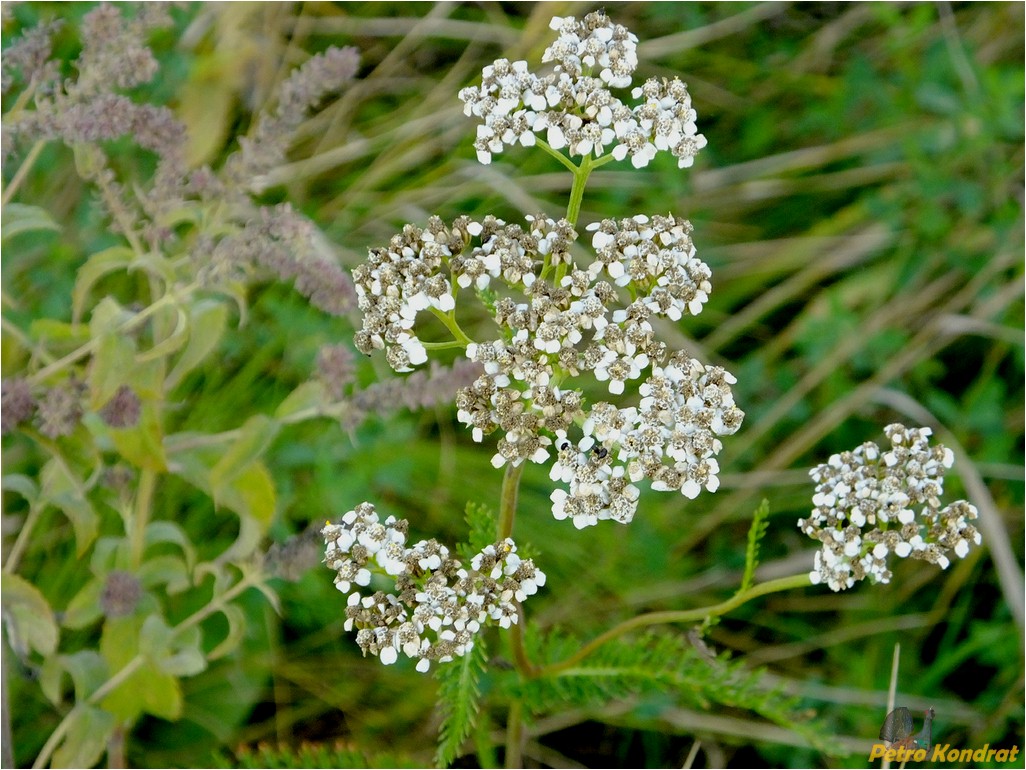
{"x": 860, "y": 203}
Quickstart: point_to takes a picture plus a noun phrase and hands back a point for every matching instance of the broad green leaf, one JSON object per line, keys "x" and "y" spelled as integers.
{"x": 88, "y": 672}
{"x": 47, "y": 330}
{"x": 309, "y": 395}
{"x": 107, "y": 316}
{"x": 168, "y": 571}
{"x": 30, "y": 621}
{"x": 236, "y": 629}
{"x": 51, "y": 679}
{"x": 89, "y": 729}
{"x": 169, "y": 532}
{"x": 20, "y": 218}
{"x": 23, "y": 485}
{"x": 98, "y": 265}
{"x": 207, "y": 323}
{"x": 111, "y": 367}
{"x": 156, "y": 264}
{"x": 252, "y": 496}
{"x": 186, "y": 656}
{"x": 64, "y": 491}
{"x": 147, "y": 690}
{"x": 109, "y": 553}
{"x": 155, "y": 637}
{"x": 173, "y": 342}
{"x": 84, "y": 608}
{"x": 143, "y": 443}
{"x": 254, "y": 438}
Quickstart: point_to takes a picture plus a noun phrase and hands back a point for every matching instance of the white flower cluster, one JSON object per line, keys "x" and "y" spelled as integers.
{"x": 670, "y": 438}
{"x": 568, "y": 320}
{"x": 865, "y": 510}
{"x": 573, "y": 106}
{"x": 436, "y": 607}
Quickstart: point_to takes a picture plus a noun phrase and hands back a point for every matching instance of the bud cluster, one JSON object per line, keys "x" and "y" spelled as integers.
{"x": 573, "y": 106}
{"x": 436, "y": 607}
{"x": 865, "y": 504}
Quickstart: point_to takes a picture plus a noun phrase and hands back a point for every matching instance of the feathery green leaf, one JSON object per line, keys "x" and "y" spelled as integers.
{"x": 458, "y": 693}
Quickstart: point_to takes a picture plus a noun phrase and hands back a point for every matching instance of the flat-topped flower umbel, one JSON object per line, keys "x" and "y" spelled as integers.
{"x": 574, "y": 106}
{"x": 866, "y": 502}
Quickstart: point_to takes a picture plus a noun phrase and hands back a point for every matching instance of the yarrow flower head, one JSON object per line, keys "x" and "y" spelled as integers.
{"x": 574, "y": 108}
{"x": 436, "y": 606}
{"x": 559, "y": 318}
{"x": 871, "y": 503}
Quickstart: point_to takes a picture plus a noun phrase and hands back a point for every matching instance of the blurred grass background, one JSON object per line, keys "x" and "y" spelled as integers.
{"x": 861, "y": 205}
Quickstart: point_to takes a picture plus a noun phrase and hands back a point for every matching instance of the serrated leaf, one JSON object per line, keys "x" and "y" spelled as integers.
{"x": 21, "y": 218}
{"x": 458, "y": 695}
{"x": 98, "y": 265}
{"x": 254, "y": 438}
{"x": 308, "y": 395}
{"x": 64, "y": 491}
{"x": 89, "y": 729}
{"x": 30, "y": 621}
{"x": 84, "y": 608}
{"x": 252, "y": 496}
{"x": 207, "y": 323}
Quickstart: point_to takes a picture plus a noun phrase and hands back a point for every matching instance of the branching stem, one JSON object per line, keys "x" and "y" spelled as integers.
{"x": 675, "y": 616}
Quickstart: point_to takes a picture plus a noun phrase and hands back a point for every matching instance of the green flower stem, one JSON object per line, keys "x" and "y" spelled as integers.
{"x": 23, "y": 170}
{"x": 443, "y": 345}
{"x": 21, "y": 543}
{"x": 141, "y": 516}
{"x": 172, "y": 297}
{"x": 508, "y": 502}
{"x": 133, "y": 665}
{"x": 581, "y": 174}
{"x": 571, "y": 167}
{"x": 515, "y": 734}
{"x": 449, "y": 319}
{"x": 516, "y": 640}
{"x": 675, "y": 616}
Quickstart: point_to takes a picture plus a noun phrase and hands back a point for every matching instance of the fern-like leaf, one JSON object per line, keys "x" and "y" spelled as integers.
{"x": 760, "y": 523}
{"x": 306, "y": 755}
{"x": 458, "y": 694}
{"x": 481, "y": 525}
{"x": 653, "y": 665}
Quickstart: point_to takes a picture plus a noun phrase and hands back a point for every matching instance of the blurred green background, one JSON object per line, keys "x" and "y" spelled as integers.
{"x": 861, "y": 206}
